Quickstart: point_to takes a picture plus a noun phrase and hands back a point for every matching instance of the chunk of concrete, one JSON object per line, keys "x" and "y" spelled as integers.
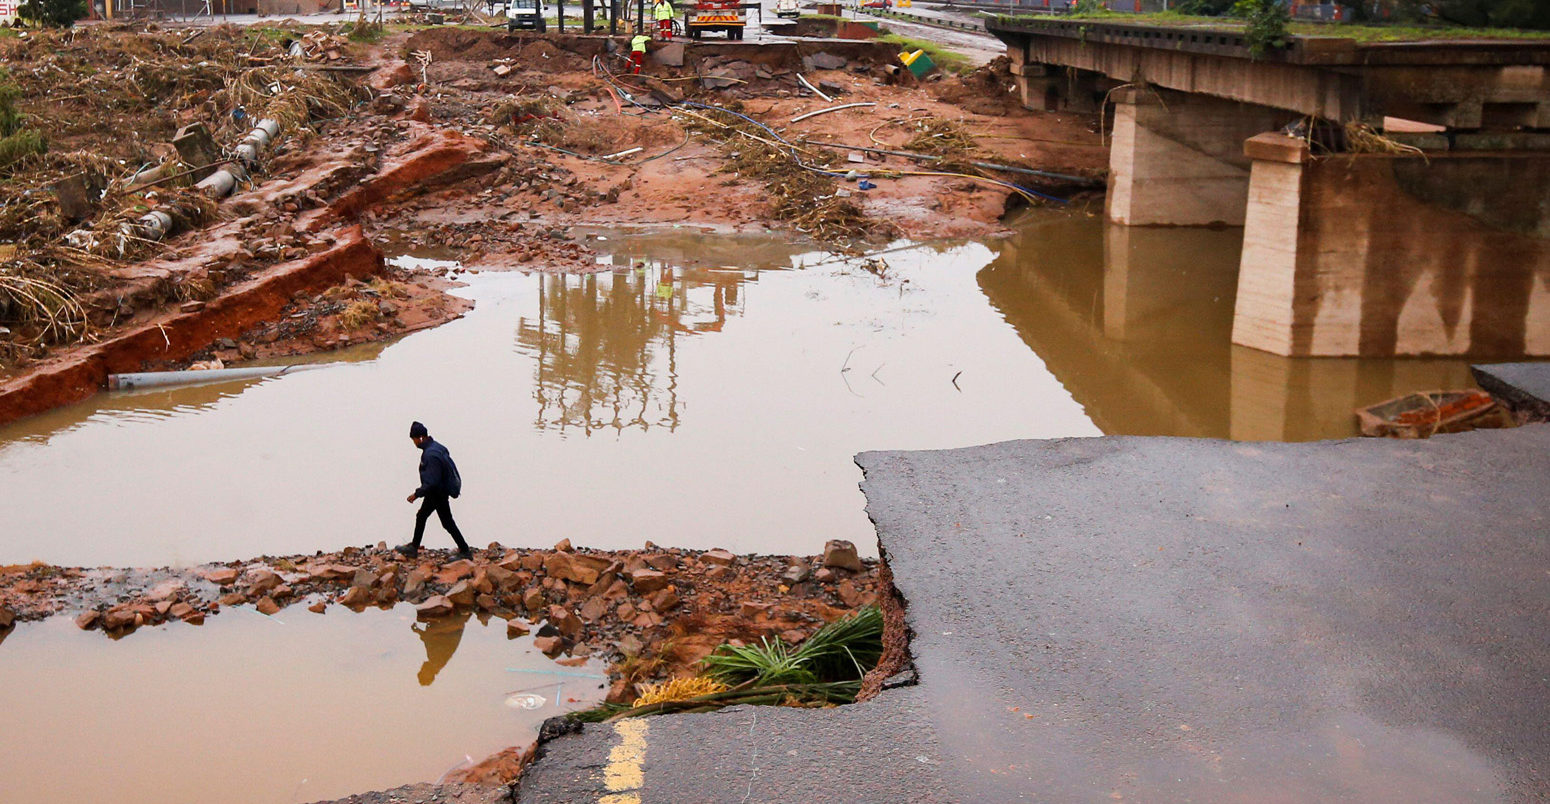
{"x": 670, "y": 54}
{"x": 824, "y": 61}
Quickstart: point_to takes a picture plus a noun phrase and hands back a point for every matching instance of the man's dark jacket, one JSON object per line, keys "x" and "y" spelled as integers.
{"x": 437, "y": 471}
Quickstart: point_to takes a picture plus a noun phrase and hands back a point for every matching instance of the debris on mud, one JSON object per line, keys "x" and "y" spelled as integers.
{"x": 655, "y": 612}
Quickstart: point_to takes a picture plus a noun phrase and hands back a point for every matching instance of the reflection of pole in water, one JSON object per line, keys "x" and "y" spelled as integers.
{"x": 596, "y": 349}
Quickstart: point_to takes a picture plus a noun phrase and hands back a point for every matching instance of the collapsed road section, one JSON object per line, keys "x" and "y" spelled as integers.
{"x": 1151, "y": 618}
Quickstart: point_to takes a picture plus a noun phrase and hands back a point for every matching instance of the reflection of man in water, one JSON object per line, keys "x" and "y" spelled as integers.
{"x": 440, "y": 637}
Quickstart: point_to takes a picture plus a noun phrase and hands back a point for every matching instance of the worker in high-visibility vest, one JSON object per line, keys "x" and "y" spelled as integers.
{"x": 664, "y": 14}
{"x": 638, "y": 53}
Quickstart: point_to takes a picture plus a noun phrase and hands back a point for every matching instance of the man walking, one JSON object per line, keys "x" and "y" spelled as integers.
{"x": 439, "y": 482}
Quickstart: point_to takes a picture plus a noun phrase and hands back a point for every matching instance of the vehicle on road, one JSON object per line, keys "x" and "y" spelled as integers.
{"x": 716, "y": 15}
{"x": 787, "y": 9}
{"x": 884, "y": 4}
{"x": 525, "y": 14}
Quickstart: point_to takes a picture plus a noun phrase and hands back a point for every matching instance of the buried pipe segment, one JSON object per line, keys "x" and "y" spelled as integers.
{"x": 163, "y": 379}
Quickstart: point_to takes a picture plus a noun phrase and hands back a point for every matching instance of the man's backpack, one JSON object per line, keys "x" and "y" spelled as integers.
{"x": 454, "y": 480}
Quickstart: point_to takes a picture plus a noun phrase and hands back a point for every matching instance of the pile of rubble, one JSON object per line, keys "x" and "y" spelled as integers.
{"x": 614, "y": 604}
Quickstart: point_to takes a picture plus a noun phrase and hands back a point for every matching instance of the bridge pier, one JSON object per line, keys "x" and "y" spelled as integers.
{"x": 1383, "y": 255}
{"x": 1178, "y": 160}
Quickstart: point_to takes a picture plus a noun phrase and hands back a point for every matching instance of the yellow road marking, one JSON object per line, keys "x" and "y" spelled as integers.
{"x": 625, "y": 775}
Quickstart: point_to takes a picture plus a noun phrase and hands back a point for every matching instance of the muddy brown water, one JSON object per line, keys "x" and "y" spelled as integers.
{"x": 708, "y": 392}
{"x": 248, "y": 708}
{"x": 712, "y": 397}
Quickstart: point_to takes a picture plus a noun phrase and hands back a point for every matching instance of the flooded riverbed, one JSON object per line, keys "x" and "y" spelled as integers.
{"x": 708, "y": 391}
{"x": 249, "y": 708}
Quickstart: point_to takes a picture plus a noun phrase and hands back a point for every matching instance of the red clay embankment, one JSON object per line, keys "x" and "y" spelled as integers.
{"x": 85, "y": 371}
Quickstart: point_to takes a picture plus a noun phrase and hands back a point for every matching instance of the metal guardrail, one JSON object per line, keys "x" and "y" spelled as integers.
{"x": 932, "y": 21}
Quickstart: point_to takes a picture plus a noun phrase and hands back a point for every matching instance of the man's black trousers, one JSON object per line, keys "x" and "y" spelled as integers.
{"x": 437, "y": 501}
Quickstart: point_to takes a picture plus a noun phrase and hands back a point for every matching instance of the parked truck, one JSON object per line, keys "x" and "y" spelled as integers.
{"x": 716, "y": 15}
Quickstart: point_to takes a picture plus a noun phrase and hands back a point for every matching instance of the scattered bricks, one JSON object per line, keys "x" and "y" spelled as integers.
{"x": 824, "y": 575}
{"x": 487, "y": 602}
{"x": 263, "y": 581}
{"x": 222, "y": 577}
{"x": 162, "y": 607}
{"x": 842, "y": 554}
{"x": 563, "y": 546}
{"x": 165, "y": 590}
{"x": 622, "y": 691}
{"x": 511, "y": 562}
{"x": 626, "y": 612}
{"x": 318, "y": 607}
{"x": 233, "y": 599}
{"x": 516, "y": 628}
{"x": 481, "y": 581}
{"x": 356, "y": 597}
{"x": 533, "y": 600}
{"x": 87, "y": 619}
{"x": 435, "y": 606}
{"x": 594, "y": 609}
{"x": 181, "y": 610}
{"x": 630, "y": 645}
{"x": 565, "y": 620}
{"x": 549, "y": 645}
{"x": 117, "y": 619}
{"x": 721, "y": 574}
{"x": 266, "y": 605}
{"x": 387, "y": 595}
{"x": 647, "y": 581}
{"x": 462, "y": 594}
{"x": 750, "y": 609}
{"x": 574, "y": 661}
{"x": 282, "y": 592}
{"x": 195, "y": 617}
{"x": 795, "y": 574}
{"x": 720, "y": 558}
{"x": 388, "y": 576}
{"x": 634, "y": 564}
{"x": 7, "y": 618}
{"x": 662, "y": 562}
{"x": 617, "y": 590}
{"x": 646, "y": 620}
{"x": 455, "y": 571}
{"x": 415, "y": 582}
{"x": 578, "y": 568}
{"x": 851, "y": 596}
{"x": 665, "y": 600}
{"x": 533, "y": 562}
{"x": 500, "y": 577}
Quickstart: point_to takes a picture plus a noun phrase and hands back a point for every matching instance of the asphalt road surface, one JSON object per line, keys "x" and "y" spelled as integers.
{"x": 1156, "y": 619}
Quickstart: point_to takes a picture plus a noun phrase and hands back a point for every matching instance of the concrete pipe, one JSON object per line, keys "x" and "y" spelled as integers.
{"x": 163, "y": 379}
{"x": 155, "y": 172}
{"x": 219, "y": 184}
{"x": 153, "y": 225}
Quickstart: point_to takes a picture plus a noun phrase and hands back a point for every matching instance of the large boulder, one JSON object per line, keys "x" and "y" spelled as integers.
{"x": 842, "y": 554}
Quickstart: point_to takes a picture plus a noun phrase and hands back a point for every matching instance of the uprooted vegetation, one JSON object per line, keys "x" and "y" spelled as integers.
{"x": 801, "y": 187}
{"x": 82, "y": 112}
{"x": 826, "y": 669}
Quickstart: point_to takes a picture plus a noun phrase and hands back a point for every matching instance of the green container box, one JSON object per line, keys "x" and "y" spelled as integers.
{"x": 918, "y": 62}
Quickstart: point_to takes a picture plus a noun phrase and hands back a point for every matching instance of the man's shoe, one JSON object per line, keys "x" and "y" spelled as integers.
{"x": 408, "y": 550}
{"x": 465, "y": 553}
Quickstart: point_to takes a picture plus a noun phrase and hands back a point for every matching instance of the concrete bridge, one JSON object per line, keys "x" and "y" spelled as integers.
{"x": 1348, "y": 249}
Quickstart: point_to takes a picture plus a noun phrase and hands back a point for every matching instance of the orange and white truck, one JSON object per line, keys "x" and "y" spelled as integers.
{"x": 716, "y": 15}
